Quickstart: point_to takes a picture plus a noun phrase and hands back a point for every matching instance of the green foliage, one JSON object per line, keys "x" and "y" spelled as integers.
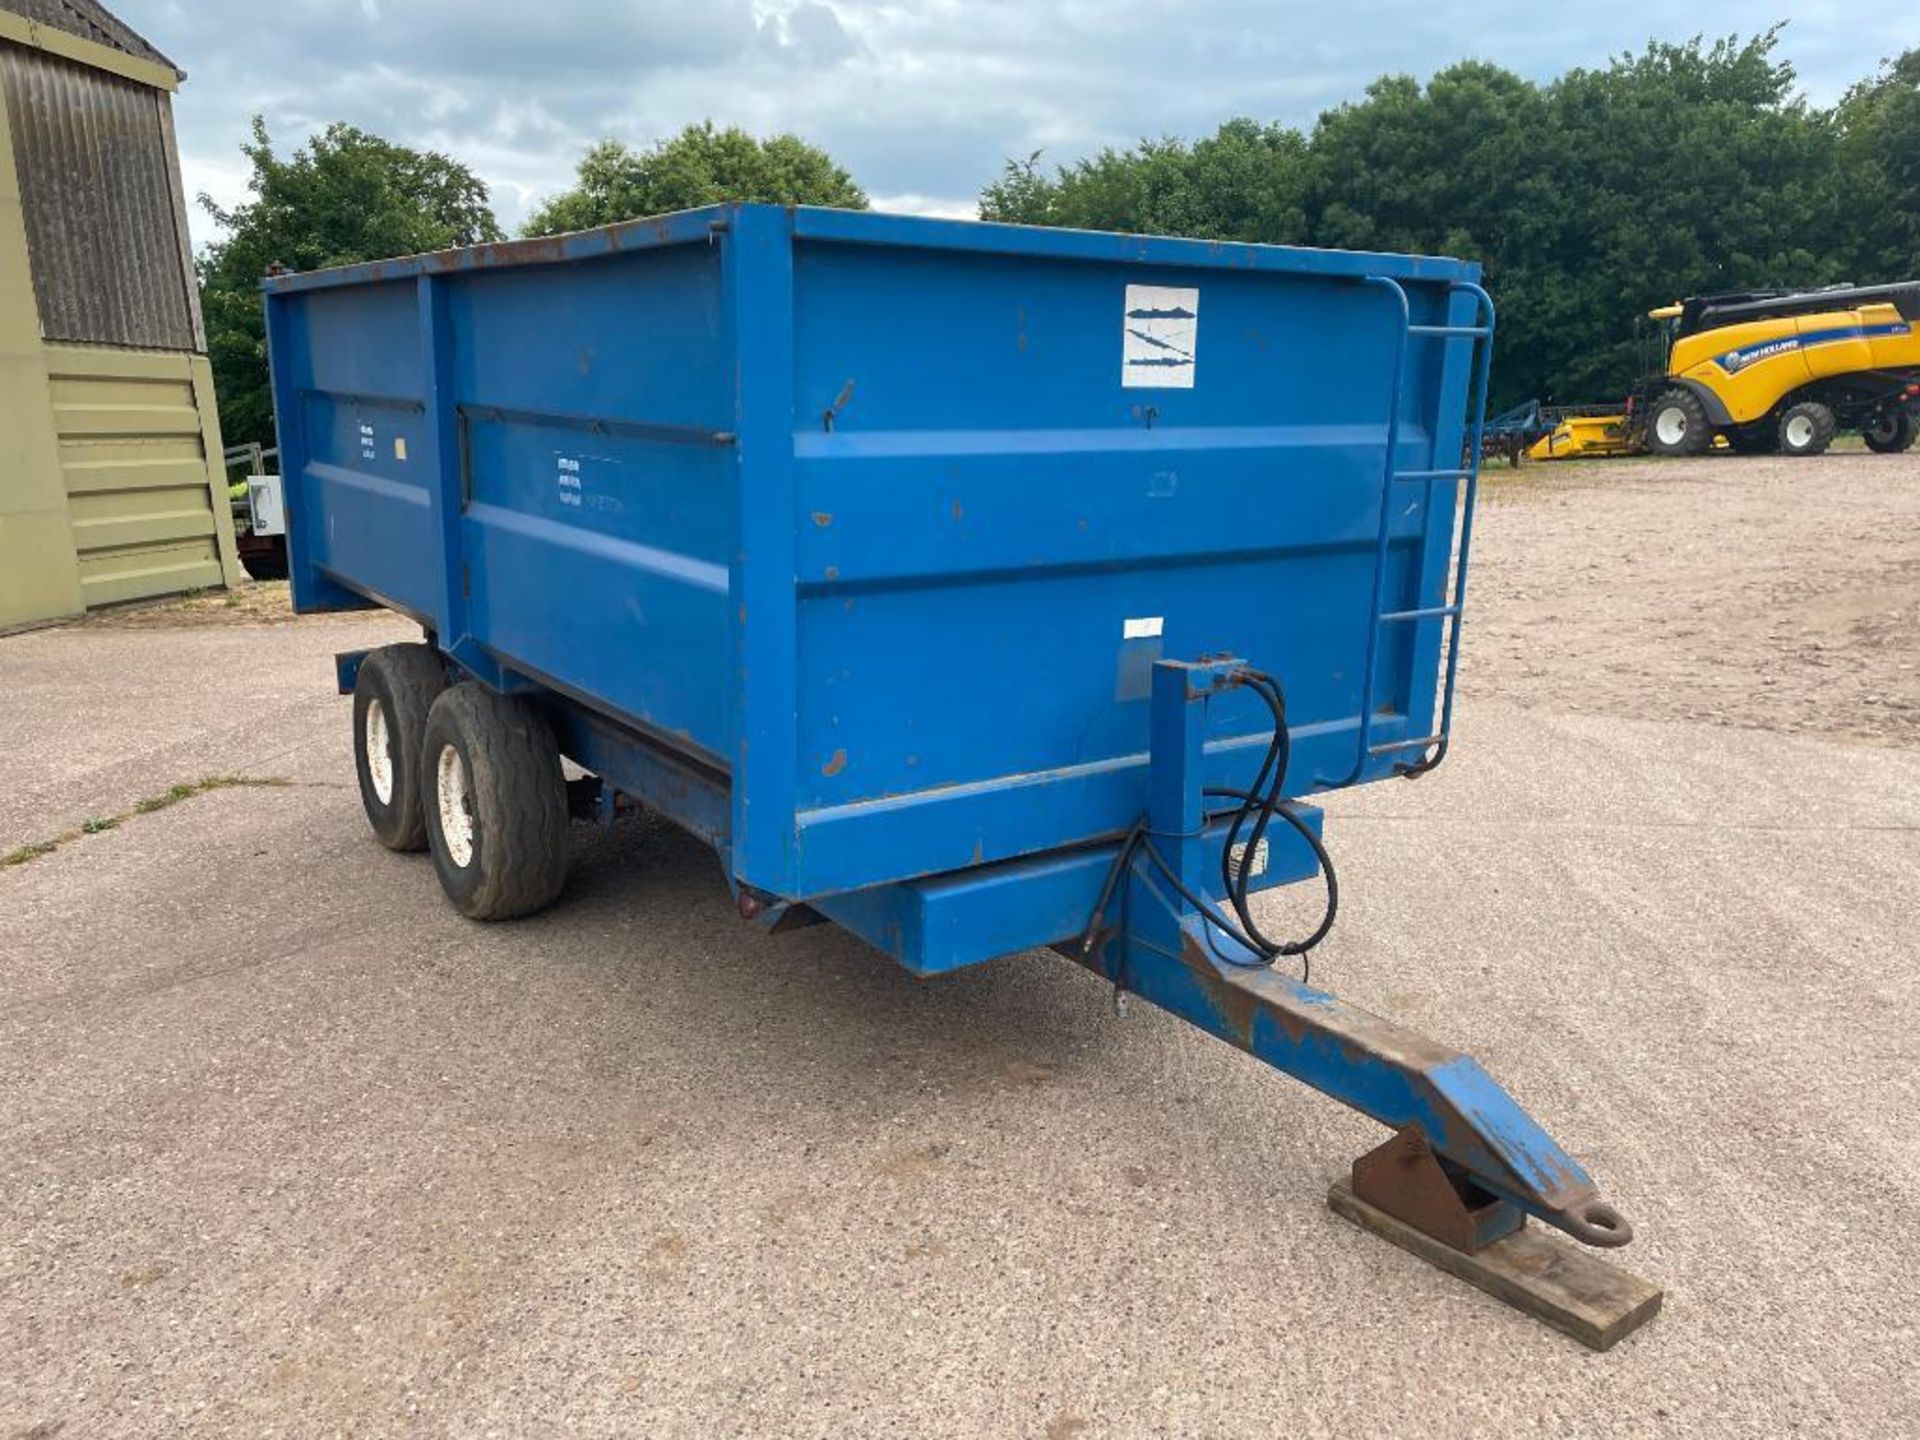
{"x": 346, "y": 197}
{"x": 1878, "y": 171}
{"x": 1246, "y": 182}
{"x": 699, "y": 166}
{"x": 1680, "y": 170}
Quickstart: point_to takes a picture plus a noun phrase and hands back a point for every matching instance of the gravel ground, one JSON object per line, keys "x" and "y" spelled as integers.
{"x": 286, "y": 1148}
{"x": 1768, "y": 593}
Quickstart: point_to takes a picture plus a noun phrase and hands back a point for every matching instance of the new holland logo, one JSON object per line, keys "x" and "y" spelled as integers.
{"x": 1734, "y": 361}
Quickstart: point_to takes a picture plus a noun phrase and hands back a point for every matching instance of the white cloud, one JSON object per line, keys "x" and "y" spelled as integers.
{"x": 943, "y": 207}
{"x": 922, "y": 99}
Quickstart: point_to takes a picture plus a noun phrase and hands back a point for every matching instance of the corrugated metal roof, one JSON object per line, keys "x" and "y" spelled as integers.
{"x": 106, "y": 226}
{"x": 90, "y": 20}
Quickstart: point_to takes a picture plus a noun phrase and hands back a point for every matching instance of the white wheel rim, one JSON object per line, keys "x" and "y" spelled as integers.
{"x": 378, "y": 741}
{"x": 1799, "y": 432}
{"x": 1671, "y": 425}
{"x": 1882, "y": 428}
{"x": 454, "y": 799}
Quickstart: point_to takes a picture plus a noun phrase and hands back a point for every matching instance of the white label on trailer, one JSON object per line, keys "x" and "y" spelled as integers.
{"x": 266, "y": 512}
{"x": 1238, "y": 855}
{"x": 368, "y": 450}
{"x": 1159, "y": 335}
{"x": 567, "y": 472}
{"x": 1143, "y": 627}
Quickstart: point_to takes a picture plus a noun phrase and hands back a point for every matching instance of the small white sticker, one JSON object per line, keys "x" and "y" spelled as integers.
{"x": 399, "y": 447}
{"x": 1237, "y": 856}
{"x": 1159, "y": 336}
{"x": 1143, "y": 627}
{"x": 567, "y": 472}
{"x": 368, "y": 450}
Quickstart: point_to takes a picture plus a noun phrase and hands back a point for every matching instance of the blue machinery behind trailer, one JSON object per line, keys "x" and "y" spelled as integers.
{"x": 975, "y": 588}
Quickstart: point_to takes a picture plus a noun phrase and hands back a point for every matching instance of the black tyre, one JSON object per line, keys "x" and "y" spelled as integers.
{"x": 265, "y": 557}
{"x": 1806, "y": 429}
{"x": 1677, "y": 424}
{"x": 396, "y": 688}
{"x": 1888, "y": 432}
{"x": 1758, "y": 439}
{"x": 496, "y": 803}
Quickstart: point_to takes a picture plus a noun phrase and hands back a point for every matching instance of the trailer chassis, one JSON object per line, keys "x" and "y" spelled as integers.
{"x": 1466, "y": 1165}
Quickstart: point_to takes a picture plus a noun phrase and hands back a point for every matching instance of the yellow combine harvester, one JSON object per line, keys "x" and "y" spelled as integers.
{"x": 1783, "y": 370}
{"x": 1764, "y": 372}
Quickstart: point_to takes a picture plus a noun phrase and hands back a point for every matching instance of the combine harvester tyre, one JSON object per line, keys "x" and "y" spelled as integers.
{"x": 1806, "y": 429}
{"x": 1678, "y": 425}
{"x": 1890, "y": 432}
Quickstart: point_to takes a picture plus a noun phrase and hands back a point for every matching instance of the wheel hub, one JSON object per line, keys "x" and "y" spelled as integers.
{"x": 1671, "y": 425}
{"x": 453, "y": 798}
{"x": 1799, "y": 432}
{"x": 378, "y": 742}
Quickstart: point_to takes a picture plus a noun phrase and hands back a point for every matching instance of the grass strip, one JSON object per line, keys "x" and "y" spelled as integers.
{"x": 172, "y": 795}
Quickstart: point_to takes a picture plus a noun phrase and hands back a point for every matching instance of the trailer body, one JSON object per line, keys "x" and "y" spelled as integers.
{"x": 870, "y": 516}
{"x": 921, "y": 566}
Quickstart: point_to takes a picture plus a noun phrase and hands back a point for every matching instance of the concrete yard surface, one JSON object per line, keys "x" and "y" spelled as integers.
{"x": 287, "y": 1148}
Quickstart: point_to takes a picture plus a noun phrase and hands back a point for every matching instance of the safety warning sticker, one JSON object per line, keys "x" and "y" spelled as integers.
{"x": 1159, "y": 333}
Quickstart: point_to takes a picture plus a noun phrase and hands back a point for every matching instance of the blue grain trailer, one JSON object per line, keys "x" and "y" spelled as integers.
{"x": 974, "y": 587}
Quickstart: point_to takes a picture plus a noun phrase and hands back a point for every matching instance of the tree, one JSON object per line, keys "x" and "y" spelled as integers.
{"x": 699, "y": 166}
{"x": 346, "y": 197}
{"x": 1243, "y": 183}
{"x": 1675, "y": 171}
{"x": 1680, "y": 171}
{"x": 1877, "y": 197}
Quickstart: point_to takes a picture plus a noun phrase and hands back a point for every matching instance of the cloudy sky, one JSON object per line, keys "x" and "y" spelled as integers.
{"x": 922, "y": 99}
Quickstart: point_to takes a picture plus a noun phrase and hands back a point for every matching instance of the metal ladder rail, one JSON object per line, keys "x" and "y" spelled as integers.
{"x": 1478, "y": 393}
{"x": 1455, "y": 588}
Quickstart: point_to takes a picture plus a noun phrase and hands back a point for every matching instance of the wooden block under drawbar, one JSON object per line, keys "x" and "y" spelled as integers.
{"x": 1570, "y": 1289}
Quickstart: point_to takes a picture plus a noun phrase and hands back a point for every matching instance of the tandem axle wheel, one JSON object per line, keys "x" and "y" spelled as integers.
{"x": 471, "y": 775}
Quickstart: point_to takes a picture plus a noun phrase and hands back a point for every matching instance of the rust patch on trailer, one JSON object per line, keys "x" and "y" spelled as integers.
{"x": 835, "y": 763}
{"x": 822, "y": 518}
{"x": 840, "y": 402}
{"x": 1237, "y": 1006}
{"x": 540, "y": 250}
{"x": 1407, "y": 1180}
